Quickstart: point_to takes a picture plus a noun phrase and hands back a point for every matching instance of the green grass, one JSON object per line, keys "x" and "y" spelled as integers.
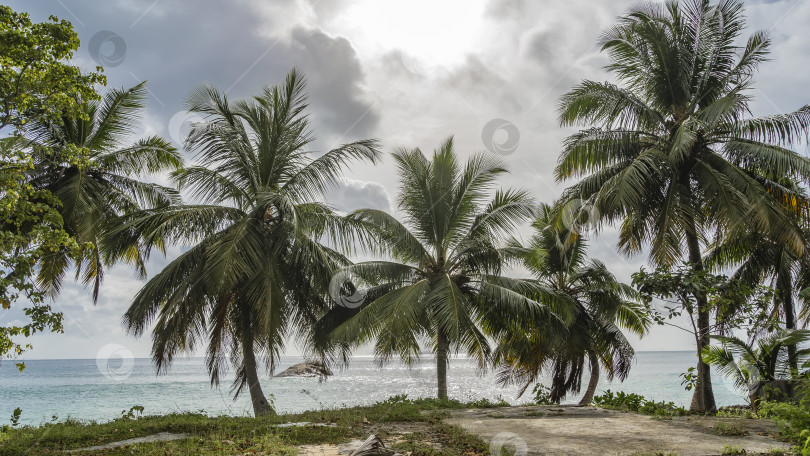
{"x": 731, "y": 450}
{"x": 729, "y": 429}
{"x": 225, "y": 435}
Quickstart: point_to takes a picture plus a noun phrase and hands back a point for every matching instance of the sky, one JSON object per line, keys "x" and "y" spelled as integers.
{"x": 409, "y": 73}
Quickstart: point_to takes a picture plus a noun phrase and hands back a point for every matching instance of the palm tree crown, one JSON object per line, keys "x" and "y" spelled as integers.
{"x": 444, "y": 288}
{"x": 671, "y": 152}
{"x": 258, "y": 268}
{"x": 597, "y": 305}
{"x": 94, "y": 194}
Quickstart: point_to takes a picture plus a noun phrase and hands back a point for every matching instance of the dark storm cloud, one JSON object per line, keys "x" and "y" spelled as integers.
{"x": 227, "y": 44}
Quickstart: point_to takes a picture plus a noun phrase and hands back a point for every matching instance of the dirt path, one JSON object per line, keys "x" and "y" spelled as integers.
{"x": 592, "y": 431}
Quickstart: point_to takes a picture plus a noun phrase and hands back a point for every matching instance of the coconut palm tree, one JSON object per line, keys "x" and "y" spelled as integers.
{"x": 258, "y": 264}
{"x": 96, "y": 192}
{"x": 444, "y": 287}
{"x": 670, "y": 151}
{"x": 759, "y": 258}
{"x": 767, "y": 360}
{"x": 600, "y": 307}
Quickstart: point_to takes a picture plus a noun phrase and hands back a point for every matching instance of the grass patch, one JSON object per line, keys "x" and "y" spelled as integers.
{"x": 729, "y": 429}
{"x": 731, "y": 450}
{"x": 226, "y": 435}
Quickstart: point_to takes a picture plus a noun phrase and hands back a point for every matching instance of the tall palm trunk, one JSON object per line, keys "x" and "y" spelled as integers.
{"x": 260, "y": 405}
{"x": 786, "y": 296}
{"x": 442, "y": 346}
{"x": 594, "y": 380}
{"x": 703, "y": 397}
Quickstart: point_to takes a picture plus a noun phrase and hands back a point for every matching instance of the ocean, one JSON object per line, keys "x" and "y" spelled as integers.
{"x": 88, "y": 389}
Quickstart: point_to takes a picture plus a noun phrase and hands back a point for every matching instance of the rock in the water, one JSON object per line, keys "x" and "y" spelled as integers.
{"x": 307, "y": 369}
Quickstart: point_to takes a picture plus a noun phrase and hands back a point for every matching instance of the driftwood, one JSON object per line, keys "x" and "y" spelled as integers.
{"x": 373, "y": 447}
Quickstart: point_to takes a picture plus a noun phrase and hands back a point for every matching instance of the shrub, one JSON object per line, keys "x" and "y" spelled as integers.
{"x": 632, "y": 402}
{"x": 542, "y": 395}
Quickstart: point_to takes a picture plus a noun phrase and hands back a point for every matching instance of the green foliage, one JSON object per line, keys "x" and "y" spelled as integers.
{"x": 729, "y": 429}
{"x": 542, "y": 395}
{"x": 36, "y": 82}
{"x": 133, "y": 413}
{"x": 731, "y": 450}
{"x": 632, "y": 402}
{"x": 15, "y": 416}
{"x": 733, "y": 301}
{"x": 31, "y": 228}
{"x": 210, "y": 436}
{"x": 793, "y": 419}
{"x": 690, "y": 379}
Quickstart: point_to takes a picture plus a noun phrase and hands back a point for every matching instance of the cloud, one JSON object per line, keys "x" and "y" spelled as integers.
{"x": 513, "y": 63}
{"x": 353, "y": 194}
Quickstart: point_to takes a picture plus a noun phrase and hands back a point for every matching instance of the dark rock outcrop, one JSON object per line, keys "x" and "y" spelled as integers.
{"x": 306, "y": 369}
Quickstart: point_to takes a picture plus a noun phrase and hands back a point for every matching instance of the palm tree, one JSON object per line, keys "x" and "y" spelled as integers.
{"x": 670, "y": 152}
{"x": 444, "y": 286}
{"x": 600, "y": 307}
{"x": 759, "y": 258}
{"x": 258, "y": 266}
{"x": 96, "y": 192}
{"x": 748, "y": 364}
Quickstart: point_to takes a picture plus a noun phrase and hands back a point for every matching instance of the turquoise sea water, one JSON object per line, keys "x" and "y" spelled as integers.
{"x": 101, "y": 390}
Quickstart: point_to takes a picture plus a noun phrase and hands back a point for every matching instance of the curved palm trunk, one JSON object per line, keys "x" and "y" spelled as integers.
{"x": 594, "y": 380}
{"x": 257, "y": 397}
{"x": 703, "y": 397}
{"x": 442, "y": 346}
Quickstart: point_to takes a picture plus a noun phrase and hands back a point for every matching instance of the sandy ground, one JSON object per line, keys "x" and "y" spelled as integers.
{"x": 550, "y": 430}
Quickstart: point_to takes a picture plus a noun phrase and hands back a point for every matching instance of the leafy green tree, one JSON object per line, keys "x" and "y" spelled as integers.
{"x": 443, "y": 287}
{"x": 104, "y": 186}
{"x": 600, "y": 306}
{"x": 766, "y": 360}
{"x": 36, "y": 81}
{"x": 36, "y": 84}
{"x": 258, "y": 267}
{"x": 671, "y": 152}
